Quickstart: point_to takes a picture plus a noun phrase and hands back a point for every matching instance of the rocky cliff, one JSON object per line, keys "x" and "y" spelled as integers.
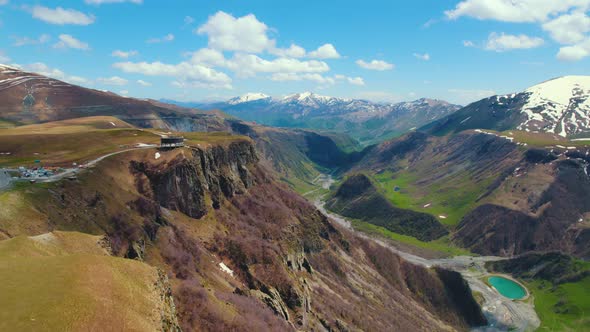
{"x": 244, "y": 252}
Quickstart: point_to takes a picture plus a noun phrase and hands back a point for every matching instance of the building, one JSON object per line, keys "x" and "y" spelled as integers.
{"x": 171, "y": 142}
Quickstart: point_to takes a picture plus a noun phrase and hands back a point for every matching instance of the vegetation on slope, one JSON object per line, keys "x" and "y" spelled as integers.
{"x": 68, "y": 282}
{"x": 560, "y": 286}
{"x": 357, "y": 198}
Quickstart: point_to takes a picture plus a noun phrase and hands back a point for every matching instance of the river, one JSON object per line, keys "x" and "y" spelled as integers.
{"x": 502, "y": 313}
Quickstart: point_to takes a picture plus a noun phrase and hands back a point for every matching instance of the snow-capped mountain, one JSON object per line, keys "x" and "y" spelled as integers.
{"x": 365, "y": 120}
{"x": 247, "y": 98}
{"x": 559, "y": 106}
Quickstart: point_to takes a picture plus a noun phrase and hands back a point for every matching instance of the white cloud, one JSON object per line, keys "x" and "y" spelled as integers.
{"x": 281, "y": 77}
{"x": 514, "y": 10}
{"x": 61, "y": 16}
{"x": 3, "y": 2}
{"x": 124, "y": 92}
{"x": 208, "y": 56}
{"x": 245, "y": 34}
{"x": 144, "y": 83}
{"x": 294, "y": 51}
{"x": 315, "y": 77}
{"x": 375, "y": 65}
{"x": 123, "y": 54}
{"x": 503, "y": 42}
{"x": 42, "y": 69}
{"x": 168, "y": 38}
{"x": 22, "y": 41}
{"x": 575, "y": 52}
{"x": 68, "y": 41}
{"x": 114, "y": 80}
{"x": 468, "y": 43}
{"x": 569, "y": 28}
{"x": 187, "y": 74}
{"x": 326, "y": 51}
{"x": 100, "y": 2}
{"x": 246, "y": 65}
{"x": 356, "y": 80}
{"x": 424, "y": 56}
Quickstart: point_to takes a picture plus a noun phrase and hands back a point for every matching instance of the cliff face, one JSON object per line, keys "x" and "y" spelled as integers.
{"x": 244, "y": 252}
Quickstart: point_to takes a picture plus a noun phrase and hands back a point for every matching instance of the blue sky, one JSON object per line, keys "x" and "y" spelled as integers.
{"x": 386, "y": 50}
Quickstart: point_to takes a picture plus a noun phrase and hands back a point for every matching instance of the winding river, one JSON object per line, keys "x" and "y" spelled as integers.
{"x": 503, "y": 313}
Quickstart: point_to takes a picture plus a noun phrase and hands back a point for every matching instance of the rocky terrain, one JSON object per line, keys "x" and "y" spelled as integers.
{"x": 559, "y": 106}
{"x": 32, "y": 98}
{"x": 241, "y": 250}
{"x": 366, "y": 121}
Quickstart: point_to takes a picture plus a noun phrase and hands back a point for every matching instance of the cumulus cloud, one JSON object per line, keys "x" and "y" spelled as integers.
{"x": 43, "y": 69}
{"x": 186, "y": 73}
{"x": 23, "y": 41}
{"x": 569, "y": 28}
{"x": 100, "y": 2}
{"x": 375, "y": 65}
{"x": 168, "y": 38}
{"x": 326, "y": 51}
{"x": 294, "y": 51}
{"x": 208, "y": 56}
{"x": 61, "y": 16}
{"x": 424, "y": 56}
{"x": 355, "y": 80}
{"x": 503, "y": 42}
{"x": 317, "y": 78}
{"x": 246, "y": 65}
{"x": 123, "y": 54}
{"x": 68, "y": 41}
{"x": 228, "y": 33}
{"x": 575, "y": 52}
{"x": 113, "y": 80}
{"x": 144, "y": 83}
{"x": 514, "y": 11}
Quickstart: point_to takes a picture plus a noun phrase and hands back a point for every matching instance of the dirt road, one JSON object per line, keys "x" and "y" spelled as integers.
{"x": 502, "y": 313}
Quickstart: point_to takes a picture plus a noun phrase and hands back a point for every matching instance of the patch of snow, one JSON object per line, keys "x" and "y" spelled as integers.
{"x": 157, "y": 155}
{"x": 248, "y": 97}
{"x": 112, "y": 123}
{"x": 427, "y": 205}
{"x": 226, "y": 269}
{"x": 442, "y": 217}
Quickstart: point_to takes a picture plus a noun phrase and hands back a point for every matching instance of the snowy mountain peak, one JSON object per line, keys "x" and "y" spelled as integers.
{"x": 560, "y": 106}
{"x": 560, "y": 90}
{"x": 307, "y": 96}
{"x": 248, "y": 97}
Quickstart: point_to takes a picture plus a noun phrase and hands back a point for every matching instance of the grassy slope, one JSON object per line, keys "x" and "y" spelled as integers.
{"x": 452, "y": 198}
{"x": 66, "y": 282}
{"x": 550, "y": 305}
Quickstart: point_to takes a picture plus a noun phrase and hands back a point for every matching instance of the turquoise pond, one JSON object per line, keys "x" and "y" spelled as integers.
{"x": 507, "y": 287}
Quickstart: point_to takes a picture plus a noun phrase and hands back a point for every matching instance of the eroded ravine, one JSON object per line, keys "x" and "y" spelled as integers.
{"x": 502, "y": 313}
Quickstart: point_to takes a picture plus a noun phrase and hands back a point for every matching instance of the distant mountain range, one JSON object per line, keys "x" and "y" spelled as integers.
{"x": 559, "y": 106}
{"x": 364, "y": 120}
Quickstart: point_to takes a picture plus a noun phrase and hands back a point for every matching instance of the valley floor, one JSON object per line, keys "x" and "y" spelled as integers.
{"x": 502, "y": 313}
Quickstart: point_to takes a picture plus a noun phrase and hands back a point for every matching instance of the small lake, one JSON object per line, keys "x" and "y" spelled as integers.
{"x": 507, "y": 287}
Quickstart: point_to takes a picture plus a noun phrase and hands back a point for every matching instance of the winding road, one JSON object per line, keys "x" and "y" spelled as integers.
{"x": 5, "y": 181}
{"x": 502, "y": 313}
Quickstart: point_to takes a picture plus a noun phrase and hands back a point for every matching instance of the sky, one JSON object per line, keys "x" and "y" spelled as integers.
{"x": 197, "y": 50}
